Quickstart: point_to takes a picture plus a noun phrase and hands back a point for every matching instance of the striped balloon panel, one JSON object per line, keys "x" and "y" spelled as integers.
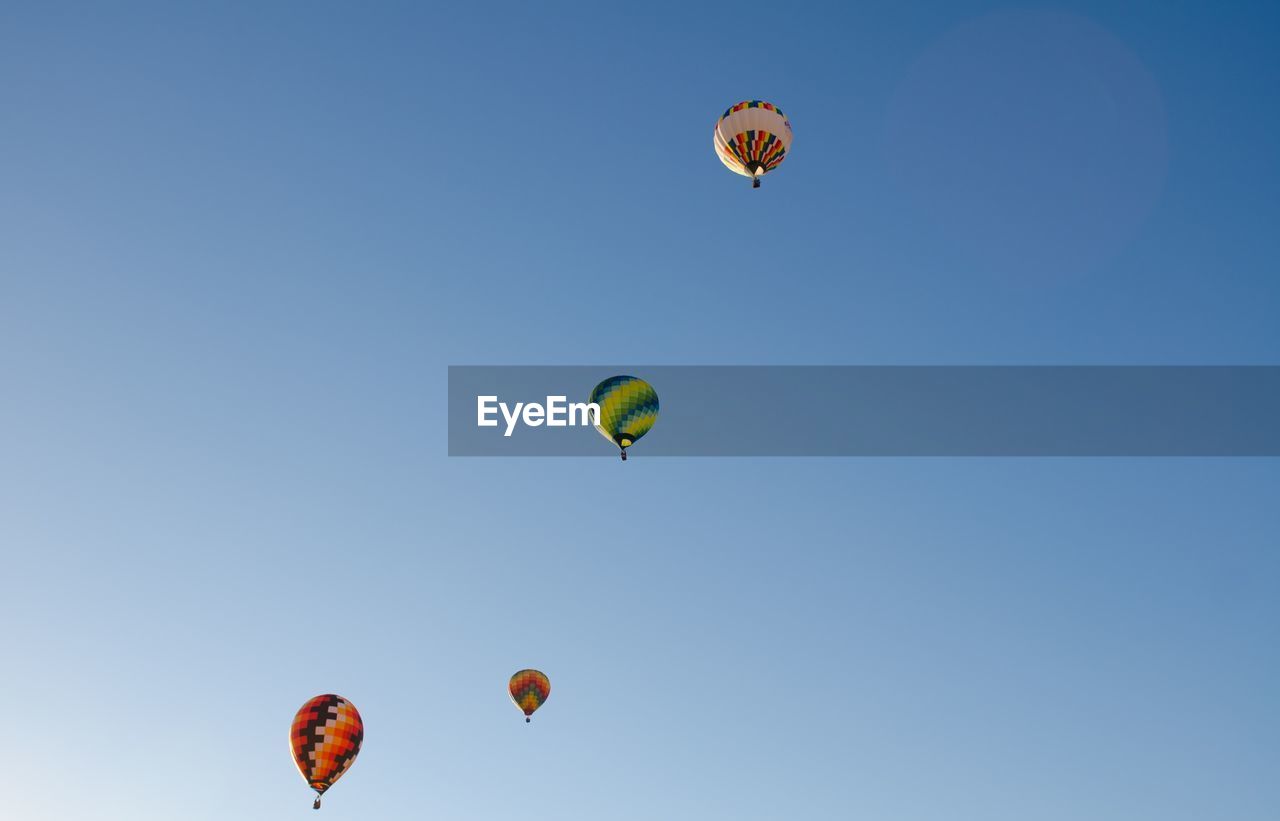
{"x": 529, "y": 689}
{"x": 628, "y": 408}
{"x": 746, "y": 104}
{"x": 325, "y": 739}
{"x": 760, "y": 147}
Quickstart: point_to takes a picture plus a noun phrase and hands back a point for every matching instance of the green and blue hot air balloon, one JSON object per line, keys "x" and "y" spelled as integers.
{"x": 628, "y": 409}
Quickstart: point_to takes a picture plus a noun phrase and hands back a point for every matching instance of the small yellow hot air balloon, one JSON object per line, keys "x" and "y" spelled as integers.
{"x": 628, "y": 409}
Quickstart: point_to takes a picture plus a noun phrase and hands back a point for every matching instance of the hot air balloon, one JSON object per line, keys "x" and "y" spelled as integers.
{"x": 752, "y": 139}
{"x": 529, "y": 689}
{"x": 325, "y": 740}
{"x": 628, "y": 409}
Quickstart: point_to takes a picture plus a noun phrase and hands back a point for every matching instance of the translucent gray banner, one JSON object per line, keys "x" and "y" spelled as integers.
{"x": 889, "y": 411}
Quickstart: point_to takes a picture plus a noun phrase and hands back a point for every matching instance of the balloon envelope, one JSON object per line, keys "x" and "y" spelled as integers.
{"x": 529, "y": 689}
{"x": 628, "y": 409}
{"x": 752, "y": 138}
{"x": 325, "y": 739}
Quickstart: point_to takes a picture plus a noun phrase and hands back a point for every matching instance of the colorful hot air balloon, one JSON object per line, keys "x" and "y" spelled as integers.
{"x": 529, "y": 689}
{"x": 628, "y": 409}
{"x": 325, "y": 740}
{"x": 752, "y": 139}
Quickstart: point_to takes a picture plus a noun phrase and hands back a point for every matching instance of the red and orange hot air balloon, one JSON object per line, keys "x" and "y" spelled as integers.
{"x": 325, "y": 739}
{"x": 529, "y": 689}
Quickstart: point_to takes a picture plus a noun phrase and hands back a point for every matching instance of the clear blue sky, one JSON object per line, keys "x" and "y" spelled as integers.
{"x": 240, "y": 243}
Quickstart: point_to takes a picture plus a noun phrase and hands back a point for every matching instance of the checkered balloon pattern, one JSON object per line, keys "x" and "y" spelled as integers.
{"x": 325, "y": 739}
{"x": 529, "y": 688}
{"x": 628, "y": 409}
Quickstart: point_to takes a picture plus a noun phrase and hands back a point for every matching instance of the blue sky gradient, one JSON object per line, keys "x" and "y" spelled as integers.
{"x": 242, "y": 242}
